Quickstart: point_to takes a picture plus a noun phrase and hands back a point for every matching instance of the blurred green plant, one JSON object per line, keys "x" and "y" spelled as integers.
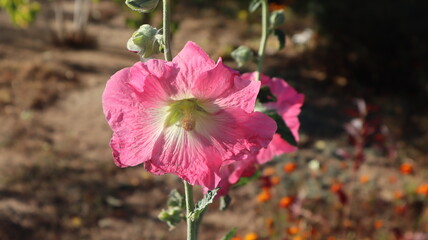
{"x": 21, "y": 12}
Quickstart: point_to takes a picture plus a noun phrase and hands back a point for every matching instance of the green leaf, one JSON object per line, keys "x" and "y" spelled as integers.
{"x": 224, "y": 202}
{"x": 230, "y": 234}
{"x": 283, "y": 129}
{"x": 244, "y": 180}
{"x": 175, "y": 199}
{"x": 203, "y": 204}
{"x": 265, "y": 95}
{"x": 280, "y": 35}
{"x": 254, "y": 5}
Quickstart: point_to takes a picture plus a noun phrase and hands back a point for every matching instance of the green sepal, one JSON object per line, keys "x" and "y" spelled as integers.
{"x": 242, "y": 55}
{"x": 283, "y": 129}
{"x": 277, "y": 18}
{"x": 143, "y": 6}
{"x": 254, "y": 5}
{"x": 280, "y": 35}
{"x": 171, "y": 216}
{"x": 245, "y": 180}
{"x": 224, "y": 202}
{"x": 265, "y": 95}
{"x": 144, "y": 41}
{"x": 203, "y": 204}
{"x": 175, "y": 199}
{"x": 230, "y": 234}
{"x": 175, "y": 211}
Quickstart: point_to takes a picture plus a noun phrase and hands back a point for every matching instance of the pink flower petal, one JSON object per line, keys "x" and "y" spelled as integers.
{"x": 230, "y": 174}
{"x": 288, "y": 104}
{"x": 135, "y": 130}
{"x": 197, "y": 156}
{"x": 275, "y": 148}
{"x": 239, "y": 132}
{"x": 152, "y": 81}
{"x": 192, "y": 61}
{"x": 245, "y": 168}
{"x": 214, "y": 82}
{"x": 188, "y": 155}
{"x": 242, "y": 95}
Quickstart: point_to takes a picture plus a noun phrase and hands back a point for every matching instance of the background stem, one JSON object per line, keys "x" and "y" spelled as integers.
{"x": 263, "y": 40}
{"x": 167, "y": 29}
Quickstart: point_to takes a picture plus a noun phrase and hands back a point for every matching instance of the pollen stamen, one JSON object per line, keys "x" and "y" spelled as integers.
{"x": 184, "y": 113}
{"x": 188, "y": 122}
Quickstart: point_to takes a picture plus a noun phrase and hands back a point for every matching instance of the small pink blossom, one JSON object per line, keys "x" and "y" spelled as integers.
{"x": 287, "y": 105}
{"x": 188, "y": 117}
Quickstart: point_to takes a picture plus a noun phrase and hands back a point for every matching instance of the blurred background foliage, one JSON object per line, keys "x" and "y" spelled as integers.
{"x": 382, "y": 44}
{"x": 22, "y": 12}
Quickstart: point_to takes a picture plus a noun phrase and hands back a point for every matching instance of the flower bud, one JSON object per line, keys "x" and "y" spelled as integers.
{"x": 144, "y": 41}
{"x": 242, "y": 55}
{"x": 277, "y": 18}
{"x": 172, "y": 216}
{"x": 142, "y": 5}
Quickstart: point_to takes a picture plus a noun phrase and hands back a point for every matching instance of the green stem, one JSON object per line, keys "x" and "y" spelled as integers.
{"x": 263, "y": 40}
{"x": 167, "y": 29}
{"x": 190, "y": 205}
{"x": 198, "y": 222}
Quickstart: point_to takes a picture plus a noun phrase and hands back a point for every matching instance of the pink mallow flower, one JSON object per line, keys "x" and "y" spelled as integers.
{"x": 287, "y": 105}
{"x": 188, "y": 117}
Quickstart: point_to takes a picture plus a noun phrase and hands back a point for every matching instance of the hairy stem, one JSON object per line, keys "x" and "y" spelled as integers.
{"x": 263, "y": 40}
{"x": 190, "y": 205}
{"x": 167, "y": 29}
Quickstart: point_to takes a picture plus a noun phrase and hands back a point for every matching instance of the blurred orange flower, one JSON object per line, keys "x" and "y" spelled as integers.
{"x": 285, "y": 202}
{"x": 264, "y": 196}
{"x": 392, "y": 179}
{"x": 251, "y": 236}
{"x": 275, "y": 180}
{"x": 276, "y": 7}
{"x": 293, "y": 230}
{"x": 378, "y": 224}
{"x": 398, "y": 195}
{"x": 336, "y": 187}
{"x": 422, "y": 189}
{"x": 270, "y": 226}
{"x": 236, "y": 238}
{"x": 400, "y": 209}
{"x": 364, "y": 179}
{"x": 347, "y": 223}
{"x": 289, "y": 167}
{"x": 269, "y": 171}
{"x": 406, "y": 168}
{"x": 269, "y": 222}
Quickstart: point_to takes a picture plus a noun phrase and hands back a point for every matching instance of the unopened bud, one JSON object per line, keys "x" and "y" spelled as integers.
{"x": 144, "y": 41}
{"x": 277, "y": 18}
{"x": 142, "y": 5}
{"x": 172, "y": 216}
{"x": 242, "y": 55}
